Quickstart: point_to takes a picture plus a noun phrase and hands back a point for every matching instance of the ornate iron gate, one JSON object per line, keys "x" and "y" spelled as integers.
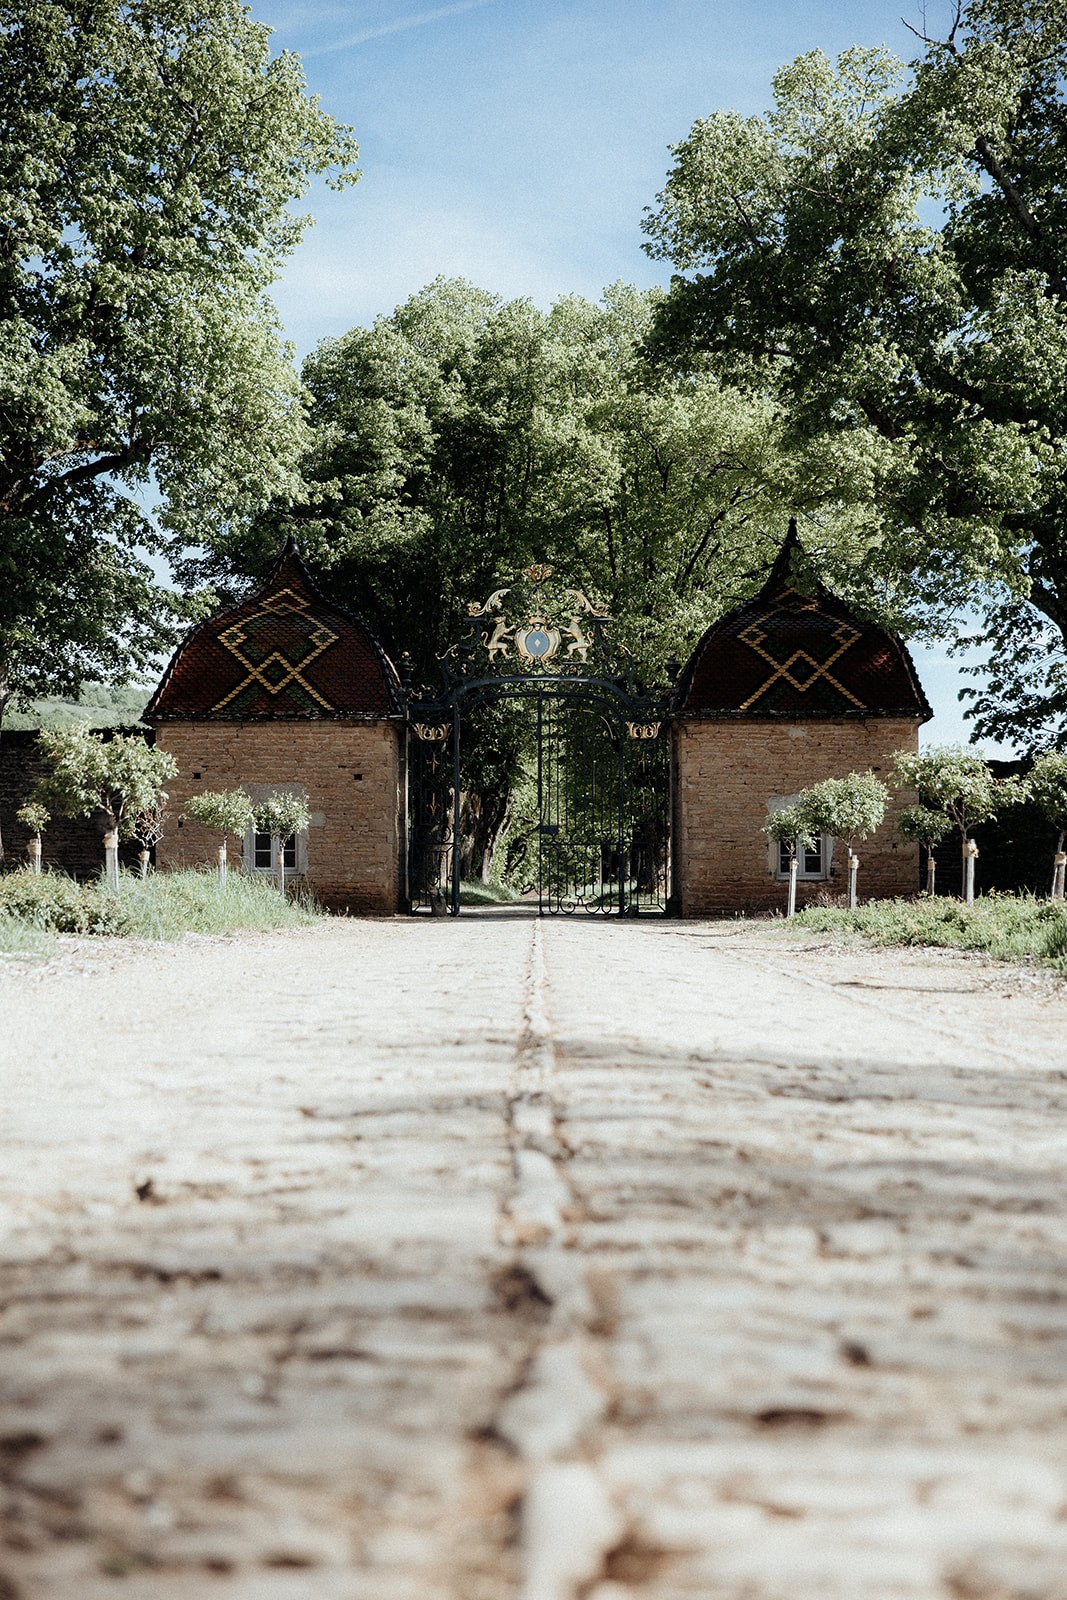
{"x": 599, "y": 756}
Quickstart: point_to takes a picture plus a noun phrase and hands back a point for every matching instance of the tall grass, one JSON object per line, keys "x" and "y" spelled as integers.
{"x": 1006, "y": 927}
{"x": 164, "y": 905}
{"x": 20, "y": 938}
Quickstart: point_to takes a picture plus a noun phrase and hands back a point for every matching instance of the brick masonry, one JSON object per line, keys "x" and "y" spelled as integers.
{"x": 727, "y": 771}
{"x": 350, "y": 773}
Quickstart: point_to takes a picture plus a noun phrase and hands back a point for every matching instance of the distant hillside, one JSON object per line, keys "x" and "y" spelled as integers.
{"x": 104, "y": 705}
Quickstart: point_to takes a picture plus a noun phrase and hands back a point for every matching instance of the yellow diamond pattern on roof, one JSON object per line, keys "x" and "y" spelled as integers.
{"x": 276, "y": 671}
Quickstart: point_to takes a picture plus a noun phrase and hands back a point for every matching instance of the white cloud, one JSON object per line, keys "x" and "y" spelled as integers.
{"x": 417, "y": 19}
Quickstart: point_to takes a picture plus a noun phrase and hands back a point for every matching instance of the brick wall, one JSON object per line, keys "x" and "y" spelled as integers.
{"x": 725, "y": 774}
{"x": 350, "y": 773}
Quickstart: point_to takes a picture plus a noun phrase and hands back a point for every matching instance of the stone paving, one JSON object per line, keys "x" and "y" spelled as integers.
{"x": 506, "y": 1260}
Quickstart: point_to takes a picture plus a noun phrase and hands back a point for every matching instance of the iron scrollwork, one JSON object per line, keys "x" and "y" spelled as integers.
{"x": 533, "y": 626}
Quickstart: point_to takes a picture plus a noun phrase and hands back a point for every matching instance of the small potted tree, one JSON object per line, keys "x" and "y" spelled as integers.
{"x": 118, "y": 777}
{"x": 282, "y": 816}
{"x": 1047, "y": 783}
{"x": 927, "y": 828}
{"x": 790, "y": 827}
{"x": 34, "y": 817}
{"x": 228, "y": 811}
{"x": 958, "y": 784}
{"x": 849, "y": 809}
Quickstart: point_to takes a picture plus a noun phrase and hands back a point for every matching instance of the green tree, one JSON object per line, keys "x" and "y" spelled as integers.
{"x": 790, "y": 826}
{"x": 958, "y": 784}
{"x": 928, "y": 828}
{"x": 281, "y": 815}
{"x": 121, "y": 778}
{"x": 228, "y": 811}
{"x": 847, "y": 809}
{"x": 35, "y": 818}
{"x": 884, "y": 251}
{"x": 464, "y": 437}
{"x": 149, "y": 153}
{"x": 1047, "y": 783}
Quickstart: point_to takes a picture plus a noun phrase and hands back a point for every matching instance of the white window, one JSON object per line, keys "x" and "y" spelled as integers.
{"x": 813, "y": 863}
{"x": 260, "y": 850}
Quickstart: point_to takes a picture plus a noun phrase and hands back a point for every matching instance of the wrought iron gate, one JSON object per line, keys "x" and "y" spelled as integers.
{"x": 599, "y": 753}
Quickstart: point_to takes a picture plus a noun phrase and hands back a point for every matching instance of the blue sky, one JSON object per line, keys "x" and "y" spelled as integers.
{"x": 517, "y": 143}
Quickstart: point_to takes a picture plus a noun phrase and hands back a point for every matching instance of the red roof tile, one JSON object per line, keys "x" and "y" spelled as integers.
{"x": 284, "y": 653}
{"x": 795, "y": 654}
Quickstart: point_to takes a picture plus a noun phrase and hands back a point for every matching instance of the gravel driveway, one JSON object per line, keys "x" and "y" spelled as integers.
{"x": 506, "y": 1260}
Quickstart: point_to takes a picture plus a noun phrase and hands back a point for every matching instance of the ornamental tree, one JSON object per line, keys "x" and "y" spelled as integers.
{"x": 1047, "y": 783}
{"x": 149, "y": 154}
{"x": 957, "y": 783}
{"x": 848, "y": 809}
{"x": 34, "y": 817}
{"x": 928, "y": 828}
{"x": 790, "y": 826}
{"x": 148, "y": 827}
{"x": 228, "y": 811}
{"x": 118, "y": 777}
{"x": 282, "y": 815}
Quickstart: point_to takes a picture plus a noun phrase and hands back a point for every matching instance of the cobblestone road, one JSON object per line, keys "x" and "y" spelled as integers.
{"x": 499, "y": 1260}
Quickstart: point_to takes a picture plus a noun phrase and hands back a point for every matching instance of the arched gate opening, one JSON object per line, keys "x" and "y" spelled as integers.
{"x": 591, "y": 760}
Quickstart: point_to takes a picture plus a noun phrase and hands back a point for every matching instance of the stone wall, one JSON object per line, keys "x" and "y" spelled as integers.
{"x": 727, "y": 771}
{"x": 350, "y": 773}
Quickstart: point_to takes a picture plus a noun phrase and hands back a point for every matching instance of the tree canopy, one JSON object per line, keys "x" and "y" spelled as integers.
{"x": 884, "y": 252}
{"x": 464, "y": 436}
{"x": 149, "y": 152}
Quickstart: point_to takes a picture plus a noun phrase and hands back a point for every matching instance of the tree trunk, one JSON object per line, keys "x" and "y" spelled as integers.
{"x": 222, "y": 865}
{"x": 143, "y": 858}
{"x": 484, "y": 819}
{"x": 111, "y": 859}
{"x": 931, "y": 872}
{"x": 970, "y": 852}
{"x": 791, "y": 902}
{"x": 1059, "y": 861}
{"x": 853, "y": 869}
{"x": 33, "y": 850}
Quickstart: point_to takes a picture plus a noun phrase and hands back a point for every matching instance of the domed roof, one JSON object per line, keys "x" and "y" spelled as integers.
{"x": 284, "y": 653}
{"x": 795, "y": 651}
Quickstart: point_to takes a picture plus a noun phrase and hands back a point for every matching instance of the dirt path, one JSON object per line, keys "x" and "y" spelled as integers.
{"x": 506, "y": 1260}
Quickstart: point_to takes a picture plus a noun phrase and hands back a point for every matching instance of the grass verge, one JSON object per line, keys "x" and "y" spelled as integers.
{"x": 485, "y": 894}
{"x": 1006, "y": 927}
{"x": 162, "y": 906}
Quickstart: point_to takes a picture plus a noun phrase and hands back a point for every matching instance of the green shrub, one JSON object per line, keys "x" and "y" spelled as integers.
{"x": 1006, "y": 927}
{"x": 59, "y": 904}
{"x": 164, "y": 906}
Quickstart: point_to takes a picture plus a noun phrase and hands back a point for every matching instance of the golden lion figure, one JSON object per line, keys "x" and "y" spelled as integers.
{"x": 496, "y": 644}
{"x": 580, "y": 647}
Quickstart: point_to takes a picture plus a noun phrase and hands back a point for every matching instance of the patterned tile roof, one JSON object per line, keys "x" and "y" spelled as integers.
{"x": 286, "y": 652}
{"x": 797, "y": 653}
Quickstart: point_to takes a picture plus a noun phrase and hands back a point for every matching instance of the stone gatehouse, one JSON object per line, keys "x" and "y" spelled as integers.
{"x": 784, "y": 691}
{"x": 288, "y": 691}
